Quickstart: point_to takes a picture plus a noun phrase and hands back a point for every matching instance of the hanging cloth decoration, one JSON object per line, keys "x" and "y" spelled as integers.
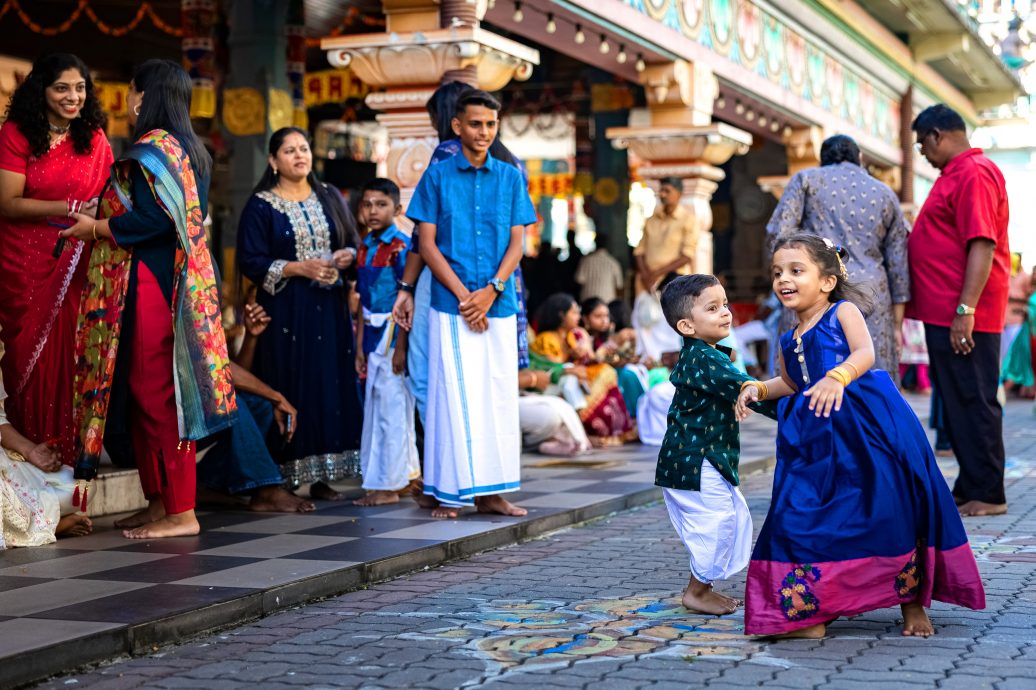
{"x": 295, "y": 29}
{"x": 199, "y": 19}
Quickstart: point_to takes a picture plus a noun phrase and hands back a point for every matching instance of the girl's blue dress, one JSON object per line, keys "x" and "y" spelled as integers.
{"x": 861, "y": 517}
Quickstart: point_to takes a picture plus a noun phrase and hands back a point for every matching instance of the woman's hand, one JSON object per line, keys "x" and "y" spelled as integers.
{"x": 44, "y": 457}
{"x": 256, "y": 320}
{"x": 749, "y": 395}
{"x": 84, "y": 228}
{"x": 343, "y": 258}
{"x": 403, "y": 310}
{"x": 316, "y": 269}
{"x": 825, "y": 395}
{"x": 90, "y": 207}
{"x": 580, "y": 372}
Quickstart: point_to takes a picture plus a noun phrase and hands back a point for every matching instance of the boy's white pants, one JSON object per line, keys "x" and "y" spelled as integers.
{"x": 714, "y": 524}
{"x": 388, "y": 447}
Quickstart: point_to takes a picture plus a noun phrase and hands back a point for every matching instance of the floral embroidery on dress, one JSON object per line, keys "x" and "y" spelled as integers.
{"x": 308, "y": 222}
{"x": 797, "y": 599}
{"x": 909, "y": 579}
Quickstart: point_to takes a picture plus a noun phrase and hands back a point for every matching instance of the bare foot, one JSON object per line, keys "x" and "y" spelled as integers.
{"x": 377, "y": 498}
{"x": 731, "y": 600}
{"x": 981, "y": 508}
{"x": 183, "y": 524}
{"x": 154, "y": 511}
{"x": 74, "y": 525}
{"x": 497, "y": 504}
{"x": 813, "y": 632}
{"x": 422, "y": 499}
{"x": 446, "y": 512}
{"x": 275, "y": 499}
{"x": 915, "y": 621}
{"x": 319, "y": 491}
{"x": 704, "y": 600}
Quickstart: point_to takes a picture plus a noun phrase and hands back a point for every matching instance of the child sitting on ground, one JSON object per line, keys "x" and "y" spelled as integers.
{"x": 697, "y": 465}
{"x": 388, "y": 447}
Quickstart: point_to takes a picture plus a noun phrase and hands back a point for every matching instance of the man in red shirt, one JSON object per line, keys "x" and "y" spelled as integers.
{"x": 959, "y": 266}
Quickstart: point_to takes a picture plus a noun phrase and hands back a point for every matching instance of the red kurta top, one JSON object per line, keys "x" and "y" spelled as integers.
{"x": 40, "y": 295}
{"x": 968, "y": 201}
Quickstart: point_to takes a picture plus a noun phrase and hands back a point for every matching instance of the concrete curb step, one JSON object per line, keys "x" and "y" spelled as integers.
{"x": 34, "y": 665}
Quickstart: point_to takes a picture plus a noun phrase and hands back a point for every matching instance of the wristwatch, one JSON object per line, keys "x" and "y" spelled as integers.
{"x": 405, "y": 287}
{"x": 965, "y": 310}
{"x": 497, "y": 284}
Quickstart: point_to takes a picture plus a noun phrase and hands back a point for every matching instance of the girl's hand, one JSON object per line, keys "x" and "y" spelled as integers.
{"x": 824, "y": 396}
{"x": 256, "y": 320}
{"x": 748, "y": 396}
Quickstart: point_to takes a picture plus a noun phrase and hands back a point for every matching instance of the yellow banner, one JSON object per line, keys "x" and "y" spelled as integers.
{"x": 112, "y": 96}
{"x": 332, "y": 86}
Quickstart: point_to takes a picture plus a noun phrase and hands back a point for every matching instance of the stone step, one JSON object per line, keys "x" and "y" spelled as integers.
{"x": 116, "y": 490}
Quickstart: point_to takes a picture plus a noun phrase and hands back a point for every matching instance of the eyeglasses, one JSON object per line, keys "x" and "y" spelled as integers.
{"x": 919, "y": 144}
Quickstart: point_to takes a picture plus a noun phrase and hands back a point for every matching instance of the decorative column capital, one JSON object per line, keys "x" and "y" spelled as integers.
{"x": 421, "y": 57}
{"x": 680, "y": 93}
{"x": 663, "y": 146}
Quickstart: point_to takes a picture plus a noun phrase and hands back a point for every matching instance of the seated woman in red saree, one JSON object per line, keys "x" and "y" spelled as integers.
{"x": 562, "y": 347}
{"x": 152, "y": 354}
{"x": 54, "y": 160}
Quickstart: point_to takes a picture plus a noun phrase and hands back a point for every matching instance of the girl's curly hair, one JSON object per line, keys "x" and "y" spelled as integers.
{"x": 28, "y": 106}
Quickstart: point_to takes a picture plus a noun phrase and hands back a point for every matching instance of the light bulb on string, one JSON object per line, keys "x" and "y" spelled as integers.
{"x": 640, "y": 64}
{"x": 552, "y": 26}
{"x": 604, "y": 47}
{"x": 518, "y": 15}
{"x": 622, "y": 57}
{"x": 580, "y": 37}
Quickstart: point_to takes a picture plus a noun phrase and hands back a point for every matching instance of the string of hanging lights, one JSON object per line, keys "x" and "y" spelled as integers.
{"x": 579, "y": 35}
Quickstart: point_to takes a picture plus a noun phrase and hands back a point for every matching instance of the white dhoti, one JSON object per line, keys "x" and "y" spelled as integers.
{"x": 653, "y": 413}
{"x": 473, "y": 439}
{"x": 714, "y": 524}
{"x": 388, "y": 446}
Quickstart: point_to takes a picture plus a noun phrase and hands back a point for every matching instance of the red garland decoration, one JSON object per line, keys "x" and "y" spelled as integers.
{"x": 145, "y": 10}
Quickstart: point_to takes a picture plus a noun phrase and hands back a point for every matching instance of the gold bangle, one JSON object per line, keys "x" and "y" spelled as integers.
{"x": 95, "y": 231}
{"x": 760, "y": 386}
{"x": 847, "y": 363}
{"x": 841, "y": 375}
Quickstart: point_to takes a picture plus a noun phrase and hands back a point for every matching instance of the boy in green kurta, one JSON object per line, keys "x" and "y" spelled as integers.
{"x": 697, "y": 465}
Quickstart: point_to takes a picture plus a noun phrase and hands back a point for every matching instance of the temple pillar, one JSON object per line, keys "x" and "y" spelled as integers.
{"x": 253, "y": 98}
{"x": 422, "y": 45}
{"x": 682, "y": 141}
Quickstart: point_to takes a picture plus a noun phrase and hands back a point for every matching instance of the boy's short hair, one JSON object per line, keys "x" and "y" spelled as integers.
{"x": 476, "y": 97}
{"x": 383, "y": 185}
{"x": 679, "y": 295}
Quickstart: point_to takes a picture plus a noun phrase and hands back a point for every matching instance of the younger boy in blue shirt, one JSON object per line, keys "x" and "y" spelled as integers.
{"x": 388, "y": 451}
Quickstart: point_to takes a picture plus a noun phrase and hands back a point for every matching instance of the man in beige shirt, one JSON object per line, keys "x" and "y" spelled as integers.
{"x": 670, "y": 238}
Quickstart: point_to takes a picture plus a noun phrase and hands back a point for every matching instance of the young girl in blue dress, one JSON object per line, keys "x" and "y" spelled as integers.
{"x": 861, "y": 517}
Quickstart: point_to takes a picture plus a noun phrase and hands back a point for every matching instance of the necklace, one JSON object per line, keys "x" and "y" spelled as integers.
{"x": 58, "y": 130}
{"x": 802, "y": 330}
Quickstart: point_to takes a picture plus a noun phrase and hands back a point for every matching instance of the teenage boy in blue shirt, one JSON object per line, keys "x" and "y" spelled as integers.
{"x": 471, "y": 211}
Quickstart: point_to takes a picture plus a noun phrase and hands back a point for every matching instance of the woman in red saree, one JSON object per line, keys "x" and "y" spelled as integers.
{"x": 54, "y": 161}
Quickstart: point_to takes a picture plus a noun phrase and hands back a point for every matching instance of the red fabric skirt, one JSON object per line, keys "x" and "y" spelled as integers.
{"x": 166, "y": 464}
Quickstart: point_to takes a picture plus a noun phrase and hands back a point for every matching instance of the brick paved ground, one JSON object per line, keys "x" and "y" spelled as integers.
{"x": 593, "y": 607}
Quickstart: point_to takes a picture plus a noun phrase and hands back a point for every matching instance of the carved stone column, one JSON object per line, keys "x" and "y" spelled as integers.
{"x": 407, "y": 63}
{"x": 682, "y": 141}
{"x": 803, "y": 148}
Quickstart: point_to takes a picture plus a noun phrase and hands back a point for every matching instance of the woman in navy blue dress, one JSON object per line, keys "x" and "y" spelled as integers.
{"x": 295, "y": 237}
{"x": 861, "y": 517}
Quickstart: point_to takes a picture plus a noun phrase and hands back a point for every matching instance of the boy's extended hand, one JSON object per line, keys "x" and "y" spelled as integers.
{"x": 403, "y": 310}
{"x": 827, "y": 393}
{"x": 748, "y": 396}
{"x": 283, "y": 413}
{"x": 256, "y": 319}
{"x": 398, "y": 360}
{"x": 361, "y": 364}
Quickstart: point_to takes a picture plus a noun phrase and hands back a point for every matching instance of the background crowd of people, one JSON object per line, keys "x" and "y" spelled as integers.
{"x": 350, "y": 321}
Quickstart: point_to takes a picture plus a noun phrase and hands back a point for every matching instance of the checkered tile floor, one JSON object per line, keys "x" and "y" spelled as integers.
{"x": 81, "y": 587}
